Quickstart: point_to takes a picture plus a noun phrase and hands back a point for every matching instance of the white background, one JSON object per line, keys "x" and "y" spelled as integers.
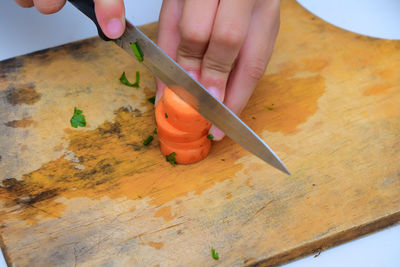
{"x": 25, "y": 30}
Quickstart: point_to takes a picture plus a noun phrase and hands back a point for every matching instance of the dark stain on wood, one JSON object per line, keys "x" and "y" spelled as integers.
{"x": 22, "y": 195}
{"x": 24, "y": 123}
{"x": 10, "y": 66}
{"x": 22, "y": 94}
{"x": 32, "y": 199}
{"x": 82, "y": 50}
{"x": 112, "y": 128}
{"x": 128, "y": 109}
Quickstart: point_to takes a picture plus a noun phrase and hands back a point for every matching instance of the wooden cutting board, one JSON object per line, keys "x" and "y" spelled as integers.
{"x": 329, "y": 105}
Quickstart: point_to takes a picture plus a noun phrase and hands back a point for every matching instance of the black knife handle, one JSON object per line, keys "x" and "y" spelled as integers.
{"x": 87, "y": 8}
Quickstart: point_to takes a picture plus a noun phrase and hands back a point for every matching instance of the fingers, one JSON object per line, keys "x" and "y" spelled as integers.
{"x": 48, "y": 6}
{"x": 111, "y": 17}
{"x": 253, "y": 58}
{"x": 24, "y": 3}
{"x": 44, "y": 6}
{"x": 168, "y": 33}
{"x": 229, "y": 32}
{"x": 195, "y": 29}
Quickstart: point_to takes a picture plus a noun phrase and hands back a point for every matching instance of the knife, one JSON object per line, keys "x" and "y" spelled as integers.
{"x": 192, "y": 92}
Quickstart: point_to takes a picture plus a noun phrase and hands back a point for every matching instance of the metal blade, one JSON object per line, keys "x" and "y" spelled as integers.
{"x": 192, "y": 92}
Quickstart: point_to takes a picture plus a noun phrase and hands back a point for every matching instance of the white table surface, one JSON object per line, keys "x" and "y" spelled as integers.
{"x": 25, "y": 30}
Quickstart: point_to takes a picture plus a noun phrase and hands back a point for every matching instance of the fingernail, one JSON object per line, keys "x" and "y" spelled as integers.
{"x": 215, "y": 92}
{"x": 216, "y": 133}
{"x": 114, "y": 28}
{"x": 158, "y": 97}
{"x": 159, "y": 91}
{"x": 193, "y": 74}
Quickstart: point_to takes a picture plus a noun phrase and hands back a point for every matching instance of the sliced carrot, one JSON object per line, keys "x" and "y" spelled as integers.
{"x": 191, "y": 154}
{"x": 181, "y": 129}
{"x": 169, "y": 133}
{"x": 181, "y": 115}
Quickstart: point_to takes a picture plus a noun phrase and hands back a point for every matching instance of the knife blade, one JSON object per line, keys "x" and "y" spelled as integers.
{"x": 191, "y": 91}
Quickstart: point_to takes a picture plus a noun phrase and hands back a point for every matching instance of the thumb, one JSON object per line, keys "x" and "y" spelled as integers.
{"x": 111, "y": 17}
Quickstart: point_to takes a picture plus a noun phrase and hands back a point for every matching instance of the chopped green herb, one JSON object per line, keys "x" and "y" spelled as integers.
{"x": 137, "y": 78}
{"x": 139, "y": 196}
{"x": 78, "y": 119}
{"x": 152, "y": 99}
{"x": 125, "y": 81}
{"x": 137, "y": 50}
{"x": 155, "y": 131}
{"x": 171, "y": 158}
{"x": 214, "y": 254}
{"x": 269, "y": 108}
{"x": 210, "y": 137}
{"x": 166, "y": 115}
{"x": 148, "y": 140}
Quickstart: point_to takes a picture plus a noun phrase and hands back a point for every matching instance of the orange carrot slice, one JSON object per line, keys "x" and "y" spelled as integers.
{"x": 181, "y": 129}
{"x": 169, "y": 133}
{"x": 181, "y": 115}
{"x": 194, "y": 152}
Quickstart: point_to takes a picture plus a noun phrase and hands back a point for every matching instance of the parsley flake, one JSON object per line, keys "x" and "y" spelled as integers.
{"x": 210, "y": 137}
{"x": 171, "y": 158}
{"x": 214, "y": 254}
{"x": 125, "y": 81}
{"x": 78, "y": 119}
{"x": 137, "y": 50}
{"x": 148, "y": 140}
{"x": 155, "y": 131}
{"x": 166, "y": 115}
{"x": 152, "y": 99}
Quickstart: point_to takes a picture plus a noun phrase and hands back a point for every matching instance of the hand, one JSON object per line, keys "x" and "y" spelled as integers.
{"x": 110, "y": 13}
{"x": 226, "y": 44}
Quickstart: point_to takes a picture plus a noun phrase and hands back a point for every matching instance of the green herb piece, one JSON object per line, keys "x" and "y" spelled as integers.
{"x": 269, "y": 108}
{"x": 125, "y": 81}
{"x": 155, "y": 131}
{"x": 78, "y": 119}
{"x": 139, "y": 196}
{"x": 253, "y": 118}
{"x": 214, "y": 254}
{"x": 137, "y": 50}
{"x": 148, "y": 140}
{"x": 152, "y": 99}
{"x": 166, "y": 115}
{"x": 210, "y": 137}
{"x": 171, "y": 158}
{"x": 137, "y": 78}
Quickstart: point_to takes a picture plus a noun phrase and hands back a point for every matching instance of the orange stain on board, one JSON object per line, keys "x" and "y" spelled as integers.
{"x": 283, "y": 101}
{"x": 165, "y": 213}
{"x": 156, "y": 245}
{"x": 377, "y": 89}
{"x": 24, "y": 123}
{"x": 116, "y": 164}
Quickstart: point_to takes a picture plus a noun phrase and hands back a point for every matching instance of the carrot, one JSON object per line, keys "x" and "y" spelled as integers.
{"x": 181, "y": 129}
{"x": 186, "y": 155}
{"x": 181, "y": 115}
{"x": 169, "y": 133}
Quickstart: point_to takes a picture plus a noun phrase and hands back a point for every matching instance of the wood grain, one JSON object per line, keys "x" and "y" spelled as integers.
{"x": 328, "y": 105}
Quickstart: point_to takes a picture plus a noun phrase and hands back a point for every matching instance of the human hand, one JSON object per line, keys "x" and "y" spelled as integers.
{"x": 225, "y": 45}
{"x": 110, "y": 13}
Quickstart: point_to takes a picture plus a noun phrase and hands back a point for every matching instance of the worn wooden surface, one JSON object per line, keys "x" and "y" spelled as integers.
{"x": 329, "y": 105}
